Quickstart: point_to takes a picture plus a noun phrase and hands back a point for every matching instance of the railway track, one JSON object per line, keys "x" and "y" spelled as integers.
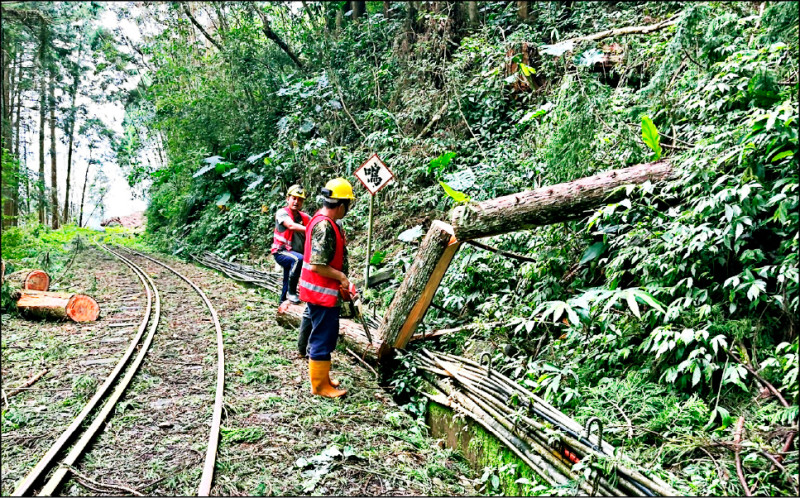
{"x": 150, "y": 323}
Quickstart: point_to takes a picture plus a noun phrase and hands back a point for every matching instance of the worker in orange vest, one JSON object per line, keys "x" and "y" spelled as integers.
{"x": 288, "y": 241}
{"x": 322, "y": 280}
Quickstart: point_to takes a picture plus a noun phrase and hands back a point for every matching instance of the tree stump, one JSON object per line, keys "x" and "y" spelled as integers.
{"x": 58, "y": 305}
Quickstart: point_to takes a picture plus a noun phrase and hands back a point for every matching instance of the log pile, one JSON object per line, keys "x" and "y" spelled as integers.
{"x": 58, "y": 305}
{"x": 539, "y": 434}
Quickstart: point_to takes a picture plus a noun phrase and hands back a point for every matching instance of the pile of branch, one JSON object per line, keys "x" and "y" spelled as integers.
{"x": 543, "y": 437}
{"x": 241, "y": 273}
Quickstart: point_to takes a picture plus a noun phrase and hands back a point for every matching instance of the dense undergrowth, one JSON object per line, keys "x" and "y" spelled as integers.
{"x": 648, "y": 313}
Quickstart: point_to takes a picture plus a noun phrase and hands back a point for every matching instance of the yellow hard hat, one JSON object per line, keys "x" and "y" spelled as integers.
{"x": 338, "y": 188}
{"x": 296, "y": 191}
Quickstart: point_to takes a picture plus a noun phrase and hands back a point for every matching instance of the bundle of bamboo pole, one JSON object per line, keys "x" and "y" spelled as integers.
{"x": 528, "y": 425}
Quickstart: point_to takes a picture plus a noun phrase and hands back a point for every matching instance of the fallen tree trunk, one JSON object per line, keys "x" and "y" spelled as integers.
{"x": 37, "y": 280}
{"x": 412, "y": 299}
{"x": 552, "y": 204}
{"x": 351, "y": 332}
{"x": 58, "y": 305}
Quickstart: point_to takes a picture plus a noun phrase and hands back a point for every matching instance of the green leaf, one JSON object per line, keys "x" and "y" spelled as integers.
{"x": 377, "y": 258}
{"x": 307, "y": 126}
{"x": 223, "y": 199}
{"x": 441, "y": 162}
{"x": 222, "y": 166}
{"x": 786, "y": 153}
{"x": 205, "y": 169}
{"x": 526, "y": 69}
{"x": 651, "y": 137}
{"x": 411, "y": 234}
{"x": 455, "y": 194}
{"x": 593, "y": 252}
{"x": 633, "y": 305}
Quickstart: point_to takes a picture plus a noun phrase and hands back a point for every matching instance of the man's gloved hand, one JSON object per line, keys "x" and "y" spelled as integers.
{"x": 348, "y": 294}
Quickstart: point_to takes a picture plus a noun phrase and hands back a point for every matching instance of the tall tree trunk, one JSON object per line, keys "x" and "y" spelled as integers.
{"x": 472, "y": 13}
{"x": 359, "y": 7}
{"x": 17, "y": 101}
{"x": 7, "y": 181}
{"x": 522, "y": 10}
{"x": 72, "y": 119}
{"x": 42, "y": 115}
{"x": 6, "y": 102}
{"x": 53, "y": 169}
{"x": 85, "y": 181}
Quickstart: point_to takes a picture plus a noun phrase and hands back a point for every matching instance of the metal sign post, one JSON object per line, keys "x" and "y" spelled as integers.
{"x": 374, "y": 175}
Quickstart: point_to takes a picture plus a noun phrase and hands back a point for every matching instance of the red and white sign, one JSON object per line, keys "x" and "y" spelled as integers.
{"x": 374, "y": 174}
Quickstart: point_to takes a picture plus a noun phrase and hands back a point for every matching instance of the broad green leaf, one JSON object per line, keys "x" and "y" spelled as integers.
{"x": 593, "y": 252}
{"x": 526, "y": 69}
{"x": 633, "y": 305}
{"x": 223, "y": 199}
{"x": 205, "y": 169}
{"x": 461, "y": 180}
{"x": 378, "y": 257}
{"x": 213, "y": 159}
{"x": 651, "y": 137}
{"x": 255, "y": 157}
{"x": 231, "y": 149}
{"x": 558, "y": 49}
{"x": 786, "y": 153}
{"x": 455, "y": 194}
{"x": 411, "y": 234}
{"x": 696, "y": 375}
{"x": 255, "y": 183}
{"x": 222, "y": 166}
{"x": 441, "y": 162}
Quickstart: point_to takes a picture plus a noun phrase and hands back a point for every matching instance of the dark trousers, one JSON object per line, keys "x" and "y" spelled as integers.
{"x": 324, "y": 332}
{"x": 305, "y": 332}
{"x": 292, "y": 263}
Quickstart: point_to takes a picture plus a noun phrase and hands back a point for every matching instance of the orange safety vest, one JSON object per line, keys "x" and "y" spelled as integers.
{"x": 283, "y": 241}
{"x": 314, "y": 288}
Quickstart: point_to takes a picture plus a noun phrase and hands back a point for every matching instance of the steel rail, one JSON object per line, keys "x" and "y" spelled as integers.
{"x": 50, "y": 455}
{"x": 77, "y": 450}
{"x": 213, "y": 440}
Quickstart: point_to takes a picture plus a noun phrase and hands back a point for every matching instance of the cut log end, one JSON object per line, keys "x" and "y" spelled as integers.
{"x": 37, "y": 280}
{"x": 82, "y": 308}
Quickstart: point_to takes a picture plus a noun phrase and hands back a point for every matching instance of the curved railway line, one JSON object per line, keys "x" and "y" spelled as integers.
{"x": 150, "y": 322}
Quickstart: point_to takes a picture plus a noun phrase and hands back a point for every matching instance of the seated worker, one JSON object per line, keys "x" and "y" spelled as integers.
{"x": 324, "y": 274}
{"x": 289, "y": 239}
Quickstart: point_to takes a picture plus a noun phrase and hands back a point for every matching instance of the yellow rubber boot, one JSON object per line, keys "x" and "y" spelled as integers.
{"x": 320, "y": 382}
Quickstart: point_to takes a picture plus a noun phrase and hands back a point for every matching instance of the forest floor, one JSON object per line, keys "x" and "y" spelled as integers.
{"x": 276, "y": 438}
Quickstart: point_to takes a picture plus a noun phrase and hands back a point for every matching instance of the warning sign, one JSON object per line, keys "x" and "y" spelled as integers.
{"x": 374, "y": 174}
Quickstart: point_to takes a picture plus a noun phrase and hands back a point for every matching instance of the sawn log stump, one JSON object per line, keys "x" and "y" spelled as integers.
{"x": 58, "y": 305}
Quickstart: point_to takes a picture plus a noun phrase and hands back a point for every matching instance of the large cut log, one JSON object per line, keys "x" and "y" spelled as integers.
{"x": 552, "y": 204}
{"x": 350, "y": 332}
{"x": 414, "y": 296}
{"x": 58, "y": 305}
{"x": 37, "y": 280}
